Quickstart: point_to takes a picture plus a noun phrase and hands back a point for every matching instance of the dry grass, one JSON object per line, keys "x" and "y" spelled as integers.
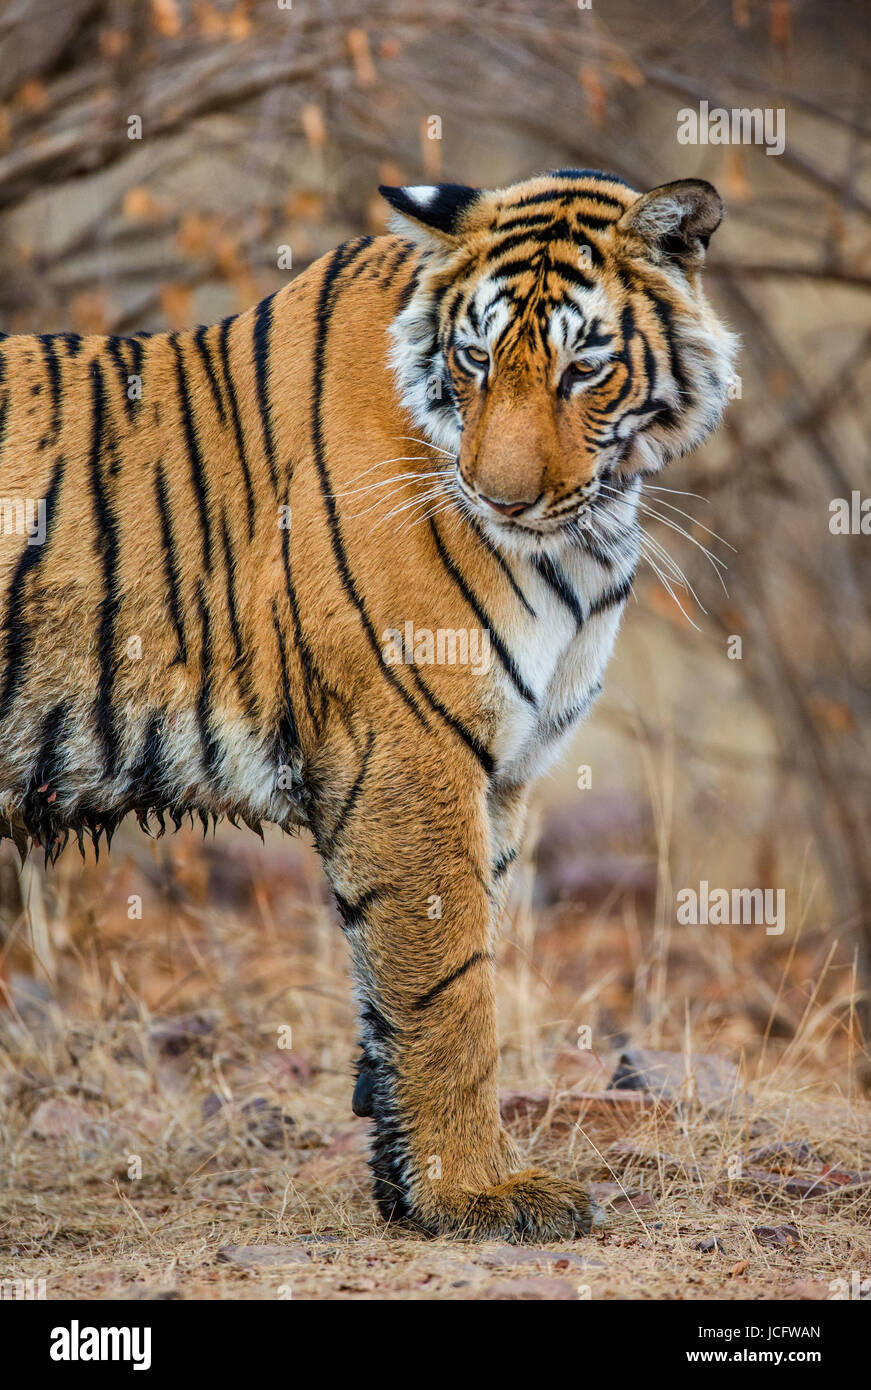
{"x": 158, "y": 1040}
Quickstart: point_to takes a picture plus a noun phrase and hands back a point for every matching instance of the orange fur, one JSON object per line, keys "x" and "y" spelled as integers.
{"x": 174, "y": 645}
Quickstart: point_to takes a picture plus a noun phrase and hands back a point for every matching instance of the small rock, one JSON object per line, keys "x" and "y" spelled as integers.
{"x": 604, "y": 1114}
{"x": 777, "y": 1235}
{"x": 267, "y": 1122}
{"x": 58, "y": 1119}
{"x": 617, "y": 1199}
{"x": 175, "y": 1036}
{"x": 703, "y": 1078}
{"x": 710, "y": 1245}
{"x": 790, "y": 1153}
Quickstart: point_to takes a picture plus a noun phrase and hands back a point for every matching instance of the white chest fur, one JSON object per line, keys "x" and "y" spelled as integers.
{"x": 560, "y": 650}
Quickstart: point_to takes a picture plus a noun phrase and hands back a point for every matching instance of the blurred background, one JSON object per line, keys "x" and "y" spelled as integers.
{"x": 266, "y": 126}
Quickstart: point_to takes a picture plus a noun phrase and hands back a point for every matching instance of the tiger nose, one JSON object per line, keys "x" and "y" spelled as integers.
{"x": 508, "y": 508}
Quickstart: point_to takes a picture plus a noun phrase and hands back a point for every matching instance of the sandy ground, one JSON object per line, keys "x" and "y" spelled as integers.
{"x": 165, "y": 1136}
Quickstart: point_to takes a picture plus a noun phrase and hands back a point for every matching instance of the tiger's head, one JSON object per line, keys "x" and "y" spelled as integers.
{"x": 558, "y": 345}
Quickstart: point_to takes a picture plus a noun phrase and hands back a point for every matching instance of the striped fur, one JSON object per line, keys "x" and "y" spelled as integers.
{"x": 174, "y": 646}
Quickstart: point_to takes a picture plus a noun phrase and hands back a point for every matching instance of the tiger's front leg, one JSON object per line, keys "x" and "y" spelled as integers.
{"x": 410, "y": 852}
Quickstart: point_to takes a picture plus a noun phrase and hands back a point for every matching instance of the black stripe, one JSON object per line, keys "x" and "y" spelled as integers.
{"x": 288, "y": 734}
{"x": 310, "y": 675}
{"x": 374, "y": 1020}
{"x": 240, "y": 656}
{"x": 5, "y": 402}
{"x": 208, "y": 741}
{"x": 508, "y": 663}
{"x": 553, "y": 575}
{"x": 206, "y": 358}
{"x": 106, "y": 543}
{"x": 224, "y": 349}
{"x": 113, "y": 346}
{"x": 573, "y": 273}
{"x": 170, "y": 561}
{"x": 137, "y": 354}
{"x": 566, "y": 196}
{"x": 504, "y": 862}
{"x": 15, "y": 627}
{"x": 665, "y": 317}
{"x": 474, "y": 744}
{"x": 502, "y": 563}
{"x": 353, "y": 914}
{"x": 432, "y": 994}
{"x": 555, "y": 728}
{"x": 619, "y": 593}
{"x": 353, "y": 795}
{"x": 536, "y": 222}
{"x": 592, "y": 548}
{"x": 146, "y": 780}
{"x": 518, "y": 265}
{"x": 338, "y": 262}
{"x": 407, "y": 291}
{"x": 262, "y": 326}
{"x": 52, "y": 364}
{"x": 195, "y": 458}
{"x": 389, "y": 273}
{"x": 513, "y": 240}
{"x": 37, "y": 811}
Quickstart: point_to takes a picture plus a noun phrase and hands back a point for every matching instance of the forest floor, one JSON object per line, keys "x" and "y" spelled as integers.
{"x": 175, "y": 1099}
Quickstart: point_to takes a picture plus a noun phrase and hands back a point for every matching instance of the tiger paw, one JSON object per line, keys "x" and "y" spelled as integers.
{"x": 530, "y": 1205}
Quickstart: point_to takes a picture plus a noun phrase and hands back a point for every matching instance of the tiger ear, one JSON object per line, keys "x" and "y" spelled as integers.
{"x": 675, "y": 221}
{"x": 430, "y": 211}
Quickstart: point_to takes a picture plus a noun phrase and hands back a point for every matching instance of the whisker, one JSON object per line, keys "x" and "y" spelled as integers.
{"x": 411, "y": 458}
{"x": 696, "y": 522}
{"x": 674, "y": 568}
{"x": 716, "y": 563}
{"x": 385, "y": 482}
{"x": 427, "y": 444}
{"x": 665, "y": 584}
{"x": 409, "y": 503}
{"x": 445, "y": 505}
{"x": 675, "y": 492}
{"x": 385, "y": 497}
{"x": 714, "y": 560}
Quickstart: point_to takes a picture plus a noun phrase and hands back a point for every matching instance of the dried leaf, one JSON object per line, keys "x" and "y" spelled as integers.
{"x": 32, "y": 96}
{"x": 361, "y": 56}
{"x": 595, "y": 96}
{"x": 780, "y": 24}
{"x": 734, "y": 180}
{"x": 313, "y": 125}
{"x": 166, "y": 18}
{"x": 140, "y": 205}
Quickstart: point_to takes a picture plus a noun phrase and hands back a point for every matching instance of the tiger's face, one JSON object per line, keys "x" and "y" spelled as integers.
{"x": 558, "y": 345}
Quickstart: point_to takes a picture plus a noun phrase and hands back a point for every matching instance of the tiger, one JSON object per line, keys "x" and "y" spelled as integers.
{"x": 354, "y": 561}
